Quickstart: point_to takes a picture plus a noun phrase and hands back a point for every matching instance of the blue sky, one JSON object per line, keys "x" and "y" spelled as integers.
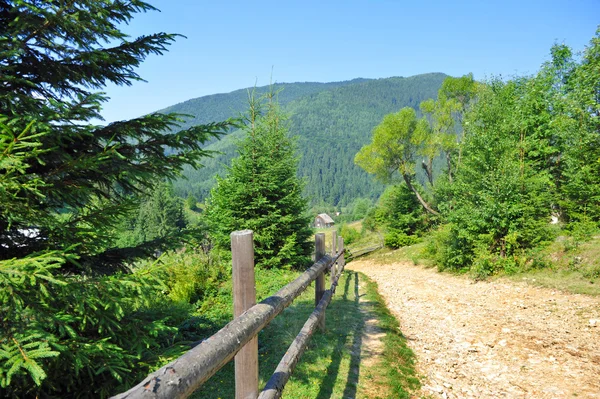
{"x": 233, "y": 44}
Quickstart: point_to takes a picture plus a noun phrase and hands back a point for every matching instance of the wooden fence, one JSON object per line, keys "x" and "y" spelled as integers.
{"x": 186, "y": 374}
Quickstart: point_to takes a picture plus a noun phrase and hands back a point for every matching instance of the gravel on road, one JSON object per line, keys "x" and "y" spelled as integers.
{"x": 497, "y": 339}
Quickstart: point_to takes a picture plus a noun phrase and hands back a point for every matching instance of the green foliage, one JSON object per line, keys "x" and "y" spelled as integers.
{"x": 356, "y": 210}
{"x": 370, "y": 222}
{"x": 399, "y": 210}
{"x": 401, "y": 137}
{"x": 67, "y": 178}
{"x": 191, "y": 203}
{"x": 350, "y": 235}
{"x": 580, "y": 183}
{"x": 75, "y": 319}
{"x": 160, "y": 217}
{"x": 191, "y": 276}
{"x": 97, "y": 328}
{"x": 261, "y": 192}
{"x": 397, "y": 239}
{"x": 530, "y": 148}
{"x": 500, "y": 198}
{"x": 330, "y": 121}
{"x": 108, "y": 332}
{"x": 444, "y": 118}
{"x": 394, "y": 146}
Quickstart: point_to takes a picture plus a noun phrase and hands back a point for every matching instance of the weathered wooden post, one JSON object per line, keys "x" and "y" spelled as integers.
{"x": 342, "y": 261}
{"x": 320, "y": 281}
{"x": 244, "y": 297}
{"x": 333, "y": 253}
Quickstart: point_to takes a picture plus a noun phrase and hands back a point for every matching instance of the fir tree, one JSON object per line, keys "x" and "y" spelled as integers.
{"x": 64, "y": 184}
{"x": 64, "y": 179}
{"x": 261, "y": 192}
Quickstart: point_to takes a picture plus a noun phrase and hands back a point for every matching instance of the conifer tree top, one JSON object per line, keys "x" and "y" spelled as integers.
{"x": 55, "y": 56}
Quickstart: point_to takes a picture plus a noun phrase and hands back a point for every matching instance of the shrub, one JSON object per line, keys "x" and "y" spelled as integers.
{"x": 397, "y": 239}
{"x": 191, "y": 276}
{"x": 350, "y": 235}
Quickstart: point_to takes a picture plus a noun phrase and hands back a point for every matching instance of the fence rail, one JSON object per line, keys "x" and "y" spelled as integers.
{"x": 356, "y": 253}
{"x": 186, "y": 374}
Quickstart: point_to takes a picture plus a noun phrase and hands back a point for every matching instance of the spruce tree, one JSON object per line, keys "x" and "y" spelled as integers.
{"x": 64, "y": 180}
{"x": 262, "y": 192}
{"x": 70, "y": 325}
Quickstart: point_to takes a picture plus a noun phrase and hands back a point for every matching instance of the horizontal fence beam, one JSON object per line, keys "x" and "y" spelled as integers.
{"x": 183, "y": 376}
{"x": 274, "y": 387}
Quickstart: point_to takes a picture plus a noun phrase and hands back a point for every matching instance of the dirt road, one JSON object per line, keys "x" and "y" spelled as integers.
{"x": 493, "y": 339}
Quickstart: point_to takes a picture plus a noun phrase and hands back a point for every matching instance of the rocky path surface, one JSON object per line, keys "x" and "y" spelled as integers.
{"x": 493, "y": 339}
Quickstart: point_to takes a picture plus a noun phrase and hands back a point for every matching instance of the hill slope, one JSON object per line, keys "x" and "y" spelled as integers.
{"x": 332, "y": 122}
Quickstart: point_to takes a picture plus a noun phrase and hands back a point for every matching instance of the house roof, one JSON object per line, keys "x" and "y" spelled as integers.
{"x": 326, "y": 218}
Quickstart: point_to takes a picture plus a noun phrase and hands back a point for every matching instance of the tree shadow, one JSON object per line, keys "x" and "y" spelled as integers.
{"x": 343, "y": 336}
{"x": 328, "y": 384}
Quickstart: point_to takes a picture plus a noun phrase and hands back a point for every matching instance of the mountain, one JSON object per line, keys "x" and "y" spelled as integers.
{"x": 332, "y": 121}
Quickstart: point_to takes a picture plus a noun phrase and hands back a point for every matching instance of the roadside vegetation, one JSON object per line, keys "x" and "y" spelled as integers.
{"x": 555, "y": 266}
{"x": 502, "y": 159}
{"x": 106, "y": 273}
{"x": 332, "y": 366}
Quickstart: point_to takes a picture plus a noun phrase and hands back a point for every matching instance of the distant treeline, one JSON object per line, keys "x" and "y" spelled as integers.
{"x": 331, "y": 121}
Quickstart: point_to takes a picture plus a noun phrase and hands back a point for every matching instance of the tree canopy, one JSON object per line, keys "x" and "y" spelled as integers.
{"x": 261, "y": 192}
{"x": 66, "y": 182}
{"x": 396, "y": 141}
{"x": 64, "y": 178}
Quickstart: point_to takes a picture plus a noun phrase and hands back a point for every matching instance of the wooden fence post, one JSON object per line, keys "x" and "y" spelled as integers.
{"x": 320, "y": 281}
{"x": 341, "y": 249}
{"x": 244, "y": 297}
{"x": 333, "y": 253}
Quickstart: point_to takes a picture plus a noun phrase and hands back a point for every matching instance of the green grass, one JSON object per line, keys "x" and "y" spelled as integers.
{"x": 396, "y": 372}
{"x": 331, "y": 366}
{"x": 566, "y": 265}
{"x": 560, "y": 265}
{"x": 416, "y": 254}
{"x": 367, "y": 239}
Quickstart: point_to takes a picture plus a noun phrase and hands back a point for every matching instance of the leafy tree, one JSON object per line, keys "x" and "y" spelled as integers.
{"x": 395, "y": 143}
{"x": 399, "y": 210}
{"x": 445, "y": 115}
{"x": 68, "y": 322}
{"x": 261, "y": 192}
{"x": 499, "y": 202}
{"x": 580, "y": 183}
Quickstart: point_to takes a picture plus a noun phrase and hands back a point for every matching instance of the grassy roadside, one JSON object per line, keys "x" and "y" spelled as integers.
{"x": 560, "y": 265}
{"x": 395, "y": 374}
{"x": 332, "y": 365}
{"x": 568, "y": 266}
{"x": 364, "y": 239}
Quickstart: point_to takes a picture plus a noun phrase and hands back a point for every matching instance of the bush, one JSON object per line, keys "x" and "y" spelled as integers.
{"x": 580, "y": 232}
{"x": 448, "y": 248}
{"x": 397, "y": 239}
{"x": 110, "y": 331}
{"x": 398, "y": 209}
{"x": 350, "y": 235}
{"x": 191, "y": 276}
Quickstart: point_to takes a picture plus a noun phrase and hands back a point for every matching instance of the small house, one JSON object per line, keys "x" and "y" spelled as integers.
{"x": 323, "y": 220}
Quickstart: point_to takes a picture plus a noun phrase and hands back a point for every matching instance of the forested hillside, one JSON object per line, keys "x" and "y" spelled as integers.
{"x": 332, "y": 122}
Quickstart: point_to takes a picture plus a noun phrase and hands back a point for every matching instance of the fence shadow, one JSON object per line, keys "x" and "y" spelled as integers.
{"x": 339, "y": 347}
{"x": 345, "y": 318}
